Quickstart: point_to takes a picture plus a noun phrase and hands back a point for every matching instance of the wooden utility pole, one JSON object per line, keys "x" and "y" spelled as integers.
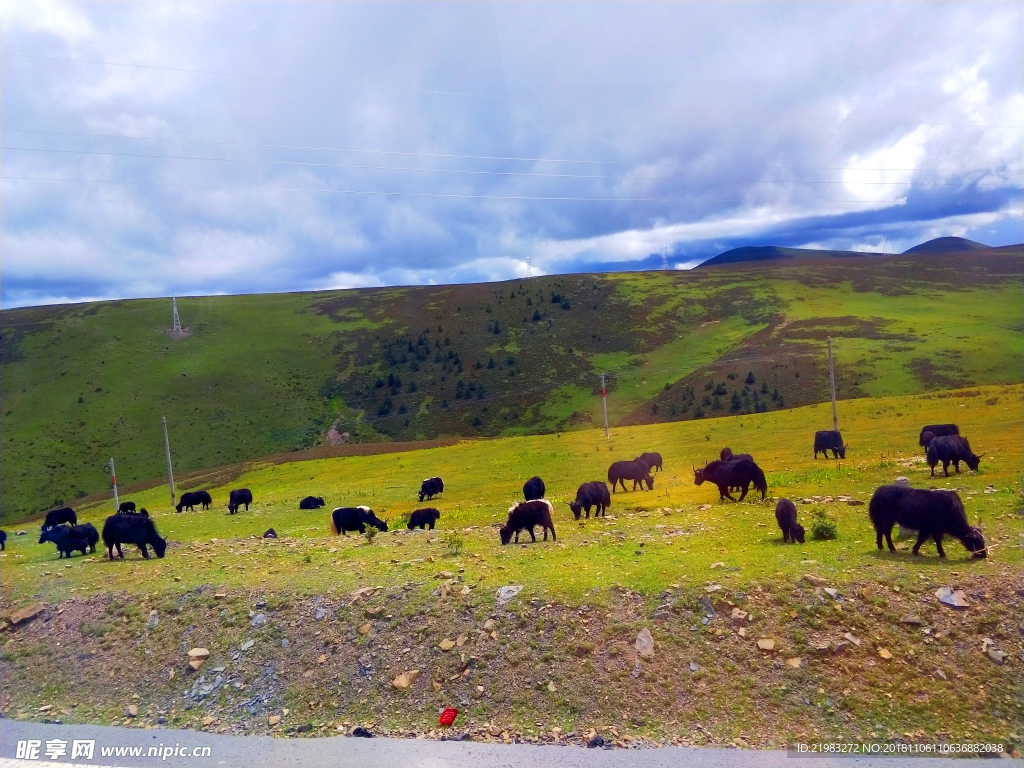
{"x": 170, "y": 469}
{"x": 604, "y": 406}
{"x": 832, "y": 386}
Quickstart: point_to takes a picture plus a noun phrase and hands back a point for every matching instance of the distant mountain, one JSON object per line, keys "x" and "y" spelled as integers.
{"x": 773, "y": 252}
{"x": 947, "y": 245}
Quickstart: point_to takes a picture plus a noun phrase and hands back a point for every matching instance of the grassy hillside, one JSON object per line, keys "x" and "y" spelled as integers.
{"x": 561, "y": 654}
{"x": 260, "y": 375}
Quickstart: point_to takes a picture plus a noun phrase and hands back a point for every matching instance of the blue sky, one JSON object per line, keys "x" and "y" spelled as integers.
{"x": 173, "y": 148}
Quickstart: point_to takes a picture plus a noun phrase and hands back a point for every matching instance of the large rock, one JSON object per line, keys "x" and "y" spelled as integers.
{"x": 815, "y": 581}
{"x": 405, "y": 679}
{"x": 505, "y": 594}
{"x": 26, "y": 614}
{"x": 645, "y": 643}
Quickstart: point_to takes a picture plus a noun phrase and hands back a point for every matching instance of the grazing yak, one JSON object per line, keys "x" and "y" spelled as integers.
{"x": 931, "y": 431}
{"x": 126, "y": 507}
{"x": 592, "y": 494}
{"x": 123, "y": 510}
{"x": 933, "y": 514}
{"x": 526, "y": 515}
{"x": 533, "y": 489}
{"x": 637, "y": 471}
{"x": 826, "y": 440}
{"x": 312, "y": 502}
{"x": 56, "y": 517}
{"x": 70, "y": 538}
{"x": 785, "y": 516}
{"x": 132, "y": 529}
{"x": 204, "y": 498}
{"x": 431, "y": 487}
{"x": 239, "y": 496}
{"x": 951, "y": 449}
{"x": 355, "y": 519}
{"x": 3, "y": 540}
{"x": 188, "y": 501}
{"x": 652, "y": 460}
{"x": 423, "y": 517}
{"x": 732, "y": 474}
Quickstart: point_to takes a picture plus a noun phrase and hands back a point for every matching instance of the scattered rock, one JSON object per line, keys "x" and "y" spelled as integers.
{"x": 494, "y": 730}
{"x": 884, "y": 653}
{"x": 794, "y": 662}
{"x": 364, "y": 629}
{"x": 552, "y": 687}
{"x": 446, "y": 644}
{"x": 938, "y": 674}
{"x": 738, "y": 616}
{"x": 362, "y": 732}
{"x": 259, "y": 619}
{"x": 999, "y": 657}
{"x": 405, "y": 679}
{"x": 717, "y": 565}
{"x": 220, "y": 595}
{"x": 261, "y": 603}
{"x": 840, "y": 648}
{"x": 831, "y": 592}
{"x": 911, "y": 619}
{"x": 304, "y": 728}
{"x": 505, "y": 594}
{"x": 742, "y": 631}
{"x": 445, "y": 575}
{"x": 26, "y": 614}
{"x": 319, "y": 613}
{"x": 645, "y": 643}
{"x": 131, "y": 711}
{"x": 199, "y": 653}
{"x": 849, "y": 636}
{"x": 209, "y": 720}
{"x": 694, "y": 666}
{"x": 855, "y": 503}
{"x": 815, "y": 581}
{"x": 436, "y": 686}
{"x": 596, "y": 742}
{"x": 952, "y": 598}
{"x": 766, "y": 644}
{"x": 247, "y": 645}
{"x": 489, "y": 625}
{"x": 461, "y": 640}
{"x": 273, "y": 719}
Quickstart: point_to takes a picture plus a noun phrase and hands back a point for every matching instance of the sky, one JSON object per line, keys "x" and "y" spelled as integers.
{"x": 165, "y": 148}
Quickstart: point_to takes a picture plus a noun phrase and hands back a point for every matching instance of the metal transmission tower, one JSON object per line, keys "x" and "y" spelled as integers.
{"x": 664, "y": 258}
{"x": 177, "y": 320}
{"x": 529, "y": 265}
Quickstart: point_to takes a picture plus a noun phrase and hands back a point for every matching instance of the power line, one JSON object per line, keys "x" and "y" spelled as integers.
{"x": 514, "y": 97}
{"x": 251, "y": 145}
{"x": 492, "y": 173}
{"x": 445, "y": 194}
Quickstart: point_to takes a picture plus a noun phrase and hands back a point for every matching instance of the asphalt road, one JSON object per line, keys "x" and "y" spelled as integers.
{"x": 341, "y": 752}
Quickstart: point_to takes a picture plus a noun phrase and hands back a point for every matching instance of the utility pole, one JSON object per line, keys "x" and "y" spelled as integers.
{"x": 529, "y": 266}
{"x": 177, "y": 320}
{"x": 113, "y": 480}
{"x": 170, "y": 469}
{"x": 604, "y": 407}
{"x": 832, "y": 385}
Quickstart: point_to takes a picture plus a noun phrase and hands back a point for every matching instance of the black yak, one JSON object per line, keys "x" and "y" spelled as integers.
{"x": 71, "y": 538}
{"x": 931, "y": 431}
{"x": 312, "y": 502}
{"x": 132, "y": 529}
{"x": 58, "y": 516}
{"x": 651, "y": 460}
{"x": 526, "y": 515}
{"x": 951, "y": 449}
{"x": 126, "y": 507}
{"x": 785, "y": 515}
{"x": 431, "y": 487}
{"x": 826, "y": 440}
{"x": 423, "y": 517}
{"x": 123, "y": 510}
{"x": 732, "y": 474}
{"x": 728, "y": 455}
{"x": 637, "y": 471}
{"x": 355, "y": 519}
{"x": 189, "y": 500}
{"x": 533, "y": 489}
{"x": 592, "y": 494}
{"x": 3, "y": 540}
{"x": 239, "y": 496}
{"x": 204, "y": 498}
{"x": 933, "y": 514}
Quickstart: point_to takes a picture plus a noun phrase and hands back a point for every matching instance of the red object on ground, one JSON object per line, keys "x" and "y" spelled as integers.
{"x": 448, "y": 716}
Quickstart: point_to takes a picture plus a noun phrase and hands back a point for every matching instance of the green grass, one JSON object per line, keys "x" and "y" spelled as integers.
{"x": 584, "y": 598}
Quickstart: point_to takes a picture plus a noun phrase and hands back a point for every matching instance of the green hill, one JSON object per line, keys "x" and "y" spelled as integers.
{"x": 260, "y": 375}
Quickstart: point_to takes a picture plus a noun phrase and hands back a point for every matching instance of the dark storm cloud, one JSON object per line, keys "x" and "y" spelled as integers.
{"x": 697, "y": 127}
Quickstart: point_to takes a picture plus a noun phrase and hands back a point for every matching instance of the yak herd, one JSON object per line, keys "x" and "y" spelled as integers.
{"x": 931, "y": 513}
